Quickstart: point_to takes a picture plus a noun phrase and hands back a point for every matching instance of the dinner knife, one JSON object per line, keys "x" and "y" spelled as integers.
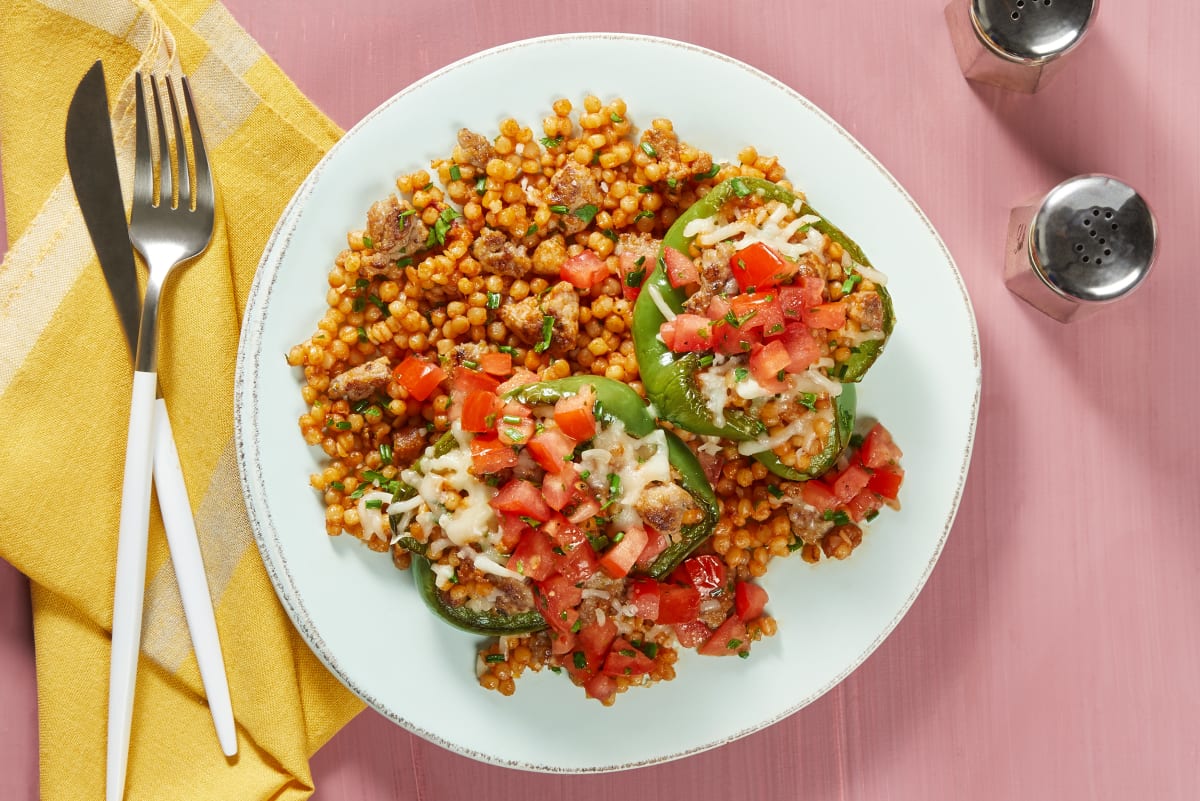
{"x": 92, "y": 163}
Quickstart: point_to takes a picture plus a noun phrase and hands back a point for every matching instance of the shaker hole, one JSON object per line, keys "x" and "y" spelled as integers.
{"x": 1114, "y": 226}
{"x": 1016, "y": 15}
{"x": 1079, "y": 248}
{"x": 1107, "y": 252}
{"x": 1101, "y": 240}
{"x": 1108, "y": 215}
{"x": 1085, "y": 259}
{"x": 1092, "y": 232}
{"x": 1045, "y": 2}
{"x": 1087, "y": 222}
{"x": 1099, "y": 260}
{"x": 1020, "y": 3}
{"x": 1095, "y": 212}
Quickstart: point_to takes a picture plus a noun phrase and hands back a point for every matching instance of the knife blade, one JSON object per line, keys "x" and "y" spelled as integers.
{"x": 92, "y": 162}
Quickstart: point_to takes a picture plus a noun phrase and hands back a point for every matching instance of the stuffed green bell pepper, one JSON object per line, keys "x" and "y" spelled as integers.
{"x": 756, "y": 321}
{"x": 542, "y": 492}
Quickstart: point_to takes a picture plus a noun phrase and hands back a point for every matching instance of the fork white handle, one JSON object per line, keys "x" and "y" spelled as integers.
{"x": 189, "y": 572}
{"x": 130, "y": 588}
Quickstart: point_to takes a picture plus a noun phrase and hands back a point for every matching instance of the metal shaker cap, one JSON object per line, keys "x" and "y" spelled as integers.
{"x": 1032, "y": 30}
{"x": 1093, "y": 239}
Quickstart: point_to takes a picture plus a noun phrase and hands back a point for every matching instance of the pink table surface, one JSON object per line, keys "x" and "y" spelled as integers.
{"x": 1054, "y": 652}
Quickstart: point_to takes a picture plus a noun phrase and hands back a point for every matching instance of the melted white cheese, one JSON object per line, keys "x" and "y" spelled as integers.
{"x": 372, "y": 519}
{"x": 474, "y": 518}
{"x": 663, "y": 309}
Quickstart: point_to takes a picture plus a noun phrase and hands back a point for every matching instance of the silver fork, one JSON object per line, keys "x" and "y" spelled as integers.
{"x": 166, "y": 235}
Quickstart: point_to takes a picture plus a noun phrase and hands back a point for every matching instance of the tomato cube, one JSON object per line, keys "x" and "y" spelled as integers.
{"x": 801, "y": 346}
{"x": 677, "y": 604}
{"x": 878, "y": 448}
{"x": 718, "y": 307}
{"x": 886, "y": 481}
{"x": 850, "y": 482}
{"x": 632, "y": 274}
{"x": 519, "y": 379}
{"x": 706, "y": 573}
{"x": 730, "y": 340}
{"x": 584, "y": 271}
{"x": 465, "y": 381}
{"x": 831, "y": 316}
{"x": 490, "y": 455}
{"x": 518, "y": 433}
{"x": 681, "y": 270}
{"x": 625, "y": 660}
{"x": 749, "y": 600}
{"x": 562, "y": 643}
{"x": 862, "y": 504}
{"x": 585, "y": 509}
{"x": 645, "y": 595}
{"x": 692, "y": 633}
{"x": 575, "y": 414}
{"x": 556, "y": 489}
{"x": 596, "y": 638}
{"x": 552, "y": 450}
{"x": 479, "y": 411}
{"x": 768, "y": 365}
{"x": 617, "y": 561}
{"x": 601, "y": 686}
{"x": 657, "y": 543}
{"x": 419, "y": 377}
{"x": 578, "y": 563}
{"x": 521, "y": 498}
{"x": 511, "y": 529}
{"x": 534, "y": 556}
{"x": 760, "y": 265}
{"x": 819, "y": 495}
{"x": 690, "y": 332}
{"x": 497, "y": 364}
{"x": 729, "y": 638}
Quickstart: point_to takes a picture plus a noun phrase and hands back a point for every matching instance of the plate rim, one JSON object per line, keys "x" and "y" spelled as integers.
{"x": 248, "y": 452}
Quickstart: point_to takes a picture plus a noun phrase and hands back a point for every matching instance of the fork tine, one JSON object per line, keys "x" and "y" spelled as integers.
{"x": 204, "y": 184}
{"x": 143, "y": 167}
{"x": 185, "y": 189}
{"x": 166, "y": 189}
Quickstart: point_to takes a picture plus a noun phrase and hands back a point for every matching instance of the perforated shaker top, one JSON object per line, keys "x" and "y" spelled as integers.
{"x": 1094, "y": 238}
{"x": 1033, "y": 29}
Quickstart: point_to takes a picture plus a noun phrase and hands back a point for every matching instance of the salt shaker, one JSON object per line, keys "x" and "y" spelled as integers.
{"x": 1090, "y": 241}
{"x": 1016, "y": 44}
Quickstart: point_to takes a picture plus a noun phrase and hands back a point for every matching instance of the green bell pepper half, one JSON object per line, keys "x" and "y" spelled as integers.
{"x": 669, "y": 377}
{"x": 844, "y": 409}
{"x": 486, "y": 623}
{"x": 616, "y": 401}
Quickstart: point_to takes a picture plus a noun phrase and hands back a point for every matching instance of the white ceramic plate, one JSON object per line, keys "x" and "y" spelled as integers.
{"x": 364, "y": 619}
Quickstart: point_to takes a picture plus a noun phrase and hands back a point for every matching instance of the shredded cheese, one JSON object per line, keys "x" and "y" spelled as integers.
{"x": 656, "y": 296}
{"x": 372, "y": 519}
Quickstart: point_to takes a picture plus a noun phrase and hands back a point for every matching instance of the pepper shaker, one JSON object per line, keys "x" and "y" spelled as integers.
{"x": 1016, "y": 44}
{"x": 1091, "y": 241}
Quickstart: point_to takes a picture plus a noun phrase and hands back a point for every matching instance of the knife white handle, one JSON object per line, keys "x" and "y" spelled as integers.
{"x": 189, "y": 572}
{"x": 130, "y": 582}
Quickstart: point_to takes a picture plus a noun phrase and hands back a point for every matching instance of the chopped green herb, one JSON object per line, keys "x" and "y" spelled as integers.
{"x": 442, "y": 226}
{"x": 455, "y": 173}
{"x": 645, "y": 190}
{"x": 809, "y": 401}
{"x": 359, "y": 491}
{"x": 374, "y": 504}
{"x": 509, "y": 349}
{"x": 640, "y": 261}
{"x": 494, "y": 658}
{"x": 481, "y": 185}
{"x": 795, "y": 545}
{"x": 780, "y": 375}
{"x": 671, "y": 183}
{"x": 559, "y": 208}
{"x": 838, "y": 517}
{"x": 856, "y": 440}
{"x": 650, "y": 649}
{"x": 739, "y": 187}
{"x": 555, "y": 669}
{"x": 611, "y": 234}
{"x": 642, "y": 215}
{"x": 374, "y": 476}
{"x": 470, "y": 365}
{"x": 427, "y": 187}
{"x": 405, "y": 262}
{"x": 775, "y": 329}
{"x": 580, "y": 660}
{"x": 635, "y": 278}
{"x": 362, "y": 334}
{"x": 615, "y": 117}
{"x": 744, "y": 654}
{"x": 383, "y": 307}
{"x": 629, "y": 652}
{"x": 551, "y": 141}
{"x": 385, "y": 453}
{"x": 706, "y": 360}
{"x": 531, "y": 230}
{"x": 576, "y": 626}
{"x": 405, "y": 213}
{"x": 741, "y": 374}
{"x": 649, "y": 150}
{"x": 586, "y": 213}
{"x": 342, "y": 425}
{"x": 511, "y": 419}
{"x": 361, "y": 406}
{"x": 547, "y": 334}
{"x": 871, "y": 515}
{"x": 373, "y": 411}
{"x": 733, "y": 644}
{"x": 614, "y": 484}
{"x": 530, "y": 521}
{"x": 337, "y": 485}
{"x": 559, "y": 551}
{"x": 620, "y": 535}
{"x": 711, "y": 172}
{"x": 736, "y": 321}
{"x": 368, "y": 242}
{"x": 848, "y": 284}
{"x": 775, "y": 491}
{"x": 358, "y": 304}
{"x": 362, "y": 283}
{"x": 493, "y": 300}
{"x": 585, "y": 475}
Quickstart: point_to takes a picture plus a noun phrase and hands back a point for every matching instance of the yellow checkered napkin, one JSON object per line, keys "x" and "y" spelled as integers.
{"x": 65, "y": 382}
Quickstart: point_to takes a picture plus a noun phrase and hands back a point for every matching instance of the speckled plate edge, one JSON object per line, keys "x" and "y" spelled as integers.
{"x": 249, "y": 451}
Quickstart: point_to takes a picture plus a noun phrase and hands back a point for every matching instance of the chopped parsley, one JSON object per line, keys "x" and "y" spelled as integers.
{"x": 576, "y": 626}
{"x": 481, "y": 185}
{"x": 551, "y": 141}
{"x": 645, "y": 190}
{"x": 711, "y": 172}
{"x": 368, "y": 242}
{"x": 494, "y": 658}
{"x": 809, "y": 401}
{"x": 547, "y": 334}
{"x": 383, "y": 307}
{"x": 741, "y": 374}
{"x": 736, "y": 321}
{"x": 744, "y": 654}
{"x": 509, "y": 349}
{"x": 634, "y": 279}
{"x": 493, "y": 300}
{"x": 559, "y": 208}
{"x": 374, "y": 504}
{"x": 649, "y": 150}
{"x": 610, "y": 233}
{"x": 586, "y": 213}
{"x": 362, "y": 334}
{"x": 615, "y": 117}
{"x": 739, "y": 187}
{"x": 531, "y": 230}
{"x": 650, "y": 649}
{"x": 404, "y": 262}
{"x": 838, "y": 517}
{"x": 385, "y": 453}
{"x": 531, "y": 522}
{"x": 337, "y": 485}
{"x": 672, "y": 183}
{"x": 733, "y": 644}
{"x": 455, "y": 173}
{"x": 580, "y": 660}
{"x": 358, "y": 304}
{"x": 362, "y": 283}
{"x": 442, "y": 226}
{"x": 775, "y": 491}
{"x": 642, "y": 215}
{"x": 342, "y": 425}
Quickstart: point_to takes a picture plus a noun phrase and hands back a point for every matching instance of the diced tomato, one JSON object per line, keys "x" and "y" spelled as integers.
{"x": 760, "y": 266}
{"x": 706, "y": 573}
{"x": 563, "y": 643}
{"x": 681, "y": 270}
{"x": 465, "y": 381}
{"x": 657, "y": 543}
{"x": 578, "y": 562}
{"x": 749, "y": 600}
{"x": 878, "y": 448}
{"x": 556, "y": 489}
{"x": 819, "y": 495}
{"x": 632, "y": 274}
{"x": 585, "y": 509}
{"x": 666, "y": 332}
{"x": 731, "y": 340}
{"x": 479, "y": 411}
{"x": 534, "y": 556}
{"x": 692, "y": 633}
{"x": 515, "y": 433}
{"x": 850, "y": 482}
{"x": 863, "y": 504}
{"x": 583, "y": 667}
{"x": 792, "y": 298}
{"x": 886, "y": 481}
{"x": 497, "y": 364}
{"x": 596, "y": 638}
{"x": 718, "y": 307}
{"x": 490, "y": 455}
{"x": 801, "y": 347}
{"x": 419, "y": 377}
{"x": 556, "y": 599}
{"x": 711, "y": 464}
{"x": 511, "y": 529}
{"x": 690, "y": 332}
{"x": 645, "y": 595}
{"x": 584, "y": 271}
{"x": 601, "y": 686}
{"x": 728, "y": 639}
{"x": 618, "y": 559}
{"x": 831, "y": 316}
{"x": 520, "y": 497}
{"x": 677, "y": 604}
{"x": 770, "y": 316}
{"x": 767, "y": 362}
{"x": 748, "y": 308}
{"x": 575, "y": 416}
{"x": 519, "y": 379}
{"x": 625, "y": 660}
{"x": 552, "y": 450}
